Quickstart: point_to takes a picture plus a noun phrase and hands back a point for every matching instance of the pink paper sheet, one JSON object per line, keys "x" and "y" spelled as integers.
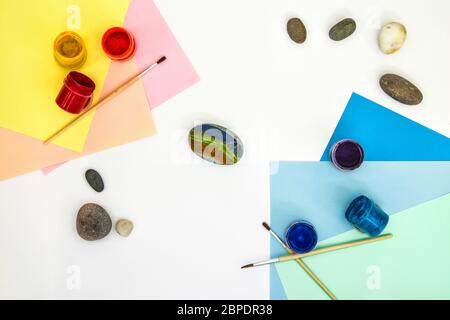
{"x": 113, "y": 124}
{"x": 154, "y": 39}
{"x": 47, "y": 170}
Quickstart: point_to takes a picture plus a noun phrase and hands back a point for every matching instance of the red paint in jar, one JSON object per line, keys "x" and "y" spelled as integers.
{"x": 118, "y": 43}
{"x": 77, "y": 92}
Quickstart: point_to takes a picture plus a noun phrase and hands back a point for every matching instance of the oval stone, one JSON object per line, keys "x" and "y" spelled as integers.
{"x": 342, "y": 29}
{"x": 95, "y": 180}
{"x": 124, "y": 227}
{"x": 401, "y": 89}
{"x": 296, "y": 30}
{"x": 392, "y": 37}
{"x": 93, "y": 222}
{"x": 216, "y": 144}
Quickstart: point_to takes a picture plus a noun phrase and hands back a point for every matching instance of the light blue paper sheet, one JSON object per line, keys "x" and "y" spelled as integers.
{"x": 319, "y": 193}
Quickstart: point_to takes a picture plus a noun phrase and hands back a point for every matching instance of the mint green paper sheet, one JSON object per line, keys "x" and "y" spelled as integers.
{"x": 415, "y": 264}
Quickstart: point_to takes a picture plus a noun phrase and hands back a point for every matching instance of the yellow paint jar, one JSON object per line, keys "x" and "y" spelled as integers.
{"x": 69, "y": 50}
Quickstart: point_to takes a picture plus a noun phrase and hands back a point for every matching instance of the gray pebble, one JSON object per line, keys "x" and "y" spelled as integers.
{"x": 296, "y": 30}
{"x": 93, "y": 222}
{"x": 95, "y": 180}
{"x": 342, "y": 29}
{"x": 401, "y": 89}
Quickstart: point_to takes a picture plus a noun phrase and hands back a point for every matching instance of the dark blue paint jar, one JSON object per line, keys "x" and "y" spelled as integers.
{"x": 367, "y": 216}
{"x": 301, "y": 237}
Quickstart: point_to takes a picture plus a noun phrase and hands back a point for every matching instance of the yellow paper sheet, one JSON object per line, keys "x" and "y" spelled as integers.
{"x": 30, "y": 78}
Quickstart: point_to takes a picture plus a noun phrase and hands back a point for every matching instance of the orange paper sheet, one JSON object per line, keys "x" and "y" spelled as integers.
{"x": 123, "y": 119}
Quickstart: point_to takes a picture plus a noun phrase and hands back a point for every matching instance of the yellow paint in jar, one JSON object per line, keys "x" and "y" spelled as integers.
{"x": 69, "y": 50}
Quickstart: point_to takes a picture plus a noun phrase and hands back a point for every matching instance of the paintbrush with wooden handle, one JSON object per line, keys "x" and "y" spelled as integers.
{"x": 320, "y": 251}
{"x": 101, "y": 102}
{"x": 301, "y": 263}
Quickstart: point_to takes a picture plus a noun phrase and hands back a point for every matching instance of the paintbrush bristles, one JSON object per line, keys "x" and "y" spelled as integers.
{"x": 266, "y": 226}
{"x": 162, "y": 59}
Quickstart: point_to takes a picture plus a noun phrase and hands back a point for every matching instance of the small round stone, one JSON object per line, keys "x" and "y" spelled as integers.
{"x": 296, "y": 30}
{"x": 392, "y": 37}
{"x": 124, "y": 227}
{"x": 401, "y": 89}
{"x": 93, "y": 222}
{"x": 343, "y": 29}
{"x": 95, "y": 180}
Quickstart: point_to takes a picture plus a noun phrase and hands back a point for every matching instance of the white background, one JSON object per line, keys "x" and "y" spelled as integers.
{"x": 196, "y": 223}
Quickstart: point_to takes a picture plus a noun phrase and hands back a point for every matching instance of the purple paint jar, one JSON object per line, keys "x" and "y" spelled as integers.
{"x": 347, "y": 155}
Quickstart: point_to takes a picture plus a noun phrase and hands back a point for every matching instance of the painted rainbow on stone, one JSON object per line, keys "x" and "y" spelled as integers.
{"x": 216, "y": 144}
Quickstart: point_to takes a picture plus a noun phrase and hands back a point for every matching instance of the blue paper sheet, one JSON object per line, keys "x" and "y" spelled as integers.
{"x": 385, "y": 136}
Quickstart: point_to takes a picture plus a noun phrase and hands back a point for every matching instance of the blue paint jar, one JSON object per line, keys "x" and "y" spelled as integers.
{"x": 366, "y": 216}
{"x": 301, "y": 237}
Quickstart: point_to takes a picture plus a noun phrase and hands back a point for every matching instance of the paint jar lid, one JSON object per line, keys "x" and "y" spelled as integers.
{"x": 80, "y": 83}
{"x": 301, "y": 237}
{"x": 347, "y": 155}
{"x": 69, "y": 50}
{"x": 118, "y": 44}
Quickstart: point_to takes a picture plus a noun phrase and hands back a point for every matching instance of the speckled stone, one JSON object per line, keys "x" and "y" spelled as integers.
{"x": 95, "y": 180}
{"x": 296, "y": 30}
{"x": 216, "y": 144}
{"x": 401, "y": 89}
{"x": 392, "y": 37}
{"x": 93, "y": 222}
{"x": 124, "y": 227}
{"x": 342, "y": 29}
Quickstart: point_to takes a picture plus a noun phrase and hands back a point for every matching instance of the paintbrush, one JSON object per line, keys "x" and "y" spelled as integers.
{"x": 102, "y": 101}
{"x": 301, "y": 263}
{"x": 320, "y": 251}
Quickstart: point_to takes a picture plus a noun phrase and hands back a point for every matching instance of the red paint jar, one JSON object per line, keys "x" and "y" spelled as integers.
{"x": 77, "y": 92}
{"x": 118, "y": 43}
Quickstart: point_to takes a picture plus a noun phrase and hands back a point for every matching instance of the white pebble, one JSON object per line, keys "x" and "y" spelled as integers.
{"x": 392, "y": 37}
{"x": 124, "y": 227}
